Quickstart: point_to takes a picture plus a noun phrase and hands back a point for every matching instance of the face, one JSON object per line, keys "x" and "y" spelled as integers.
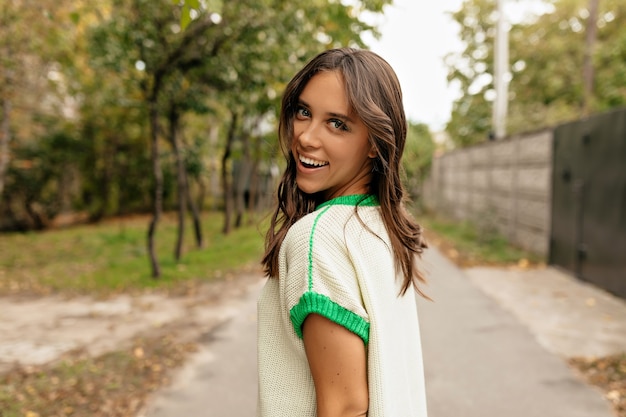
{"x": 330, "y": 143}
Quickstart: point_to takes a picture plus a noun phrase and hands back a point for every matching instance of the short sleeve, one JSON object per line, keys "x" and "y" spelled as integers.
{"x": 320, "y": 277}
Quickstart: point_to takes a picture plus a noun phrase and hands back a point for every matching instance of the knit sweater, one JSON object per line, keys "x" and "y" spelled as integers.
{"x": 332, "y": 265}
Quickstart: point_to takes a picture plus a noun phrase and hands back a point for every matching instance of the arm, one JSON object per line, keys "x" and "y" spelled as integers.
{"x": 338, "y": 364}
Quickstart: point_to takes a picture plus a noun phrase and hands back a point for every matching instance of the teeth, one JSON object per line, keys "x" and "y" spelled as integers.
{"x": 313, "y": 162}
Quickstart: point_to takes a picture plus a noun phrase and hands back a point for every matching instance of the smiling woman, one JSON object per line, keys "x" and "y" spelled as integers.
{"x": 332, "y": 146}
{"x": 338, "y": 328}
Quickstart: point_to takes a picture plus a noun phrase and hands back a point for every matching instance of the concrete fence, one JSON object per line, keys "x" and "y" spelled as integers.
{"x": 502, "y": 186}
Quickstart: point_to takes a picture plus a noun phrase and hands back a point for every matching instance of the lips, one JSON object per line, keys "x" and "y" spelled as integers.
{"x": 311, "y": 163}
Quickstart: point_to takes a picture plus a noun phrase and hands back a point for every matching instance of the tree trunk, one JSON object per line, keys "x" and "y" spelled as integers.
{"x": 157, "y": 207}
{"x": 254, "y": 205}
{"x": 105, "y": 181}
{"x": 200, "y": 198}
{"x": 242, "y": 181}
{"x": 214, "y": 179}
{"x": 239, "y": 179}
{"x": 174, "y": 118}
{"x": 253, "y": 196}
{"x": 226, "y": 181}
{"x": 5, "y": 138}
{"x": 195, "y": 214}
{"x": 590, "y": 40}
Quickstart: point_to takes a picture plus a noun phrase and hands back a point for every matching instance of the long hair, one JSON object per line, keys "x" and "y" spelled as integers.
{"x": 374, "y": 94}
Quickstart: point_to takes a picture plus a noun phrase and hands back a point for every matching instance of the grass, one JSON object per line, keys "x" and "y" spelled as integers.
{"x": 111, "y": 256}
{"x": 464, "y": 244}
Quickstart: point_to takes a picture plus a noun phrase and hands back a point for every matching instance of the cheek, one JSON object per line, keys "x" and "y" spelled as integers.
{"x": 296, "y": 128}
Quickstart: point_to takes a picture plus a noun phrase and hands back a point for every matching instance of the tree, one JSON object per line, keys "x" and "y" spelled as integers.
{"x": 417, "y": 156}
{"x": 548, "y": 85}
{"x": 547, "y": 55}
{"x": 117, "y": 82}
{"x": 33, "y": 38}
{"x": 609, "y": 89}
{"x": 472, "y": 70}
{"x": 256, "y": 61}
{"x": 144, "y": 34}
{"x": 591, "y": 33}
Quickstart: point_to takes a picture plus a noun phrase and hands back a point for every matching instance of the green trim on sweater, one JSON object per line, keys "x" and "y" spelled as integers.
{"x": 311, "y": 247}
{"x": 312, "y": 302}
{"x": 367, "y": 200}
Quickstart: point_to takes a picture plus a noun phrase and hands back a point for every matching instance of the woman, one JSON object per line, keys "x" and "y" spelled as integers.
{"x": 338, "y": 329}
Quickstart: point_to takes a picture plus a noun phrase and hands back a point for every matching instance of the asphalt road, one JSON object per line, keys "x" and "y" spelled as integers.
{"x": 480, "y": 360}
{"x": 220, "y": 379}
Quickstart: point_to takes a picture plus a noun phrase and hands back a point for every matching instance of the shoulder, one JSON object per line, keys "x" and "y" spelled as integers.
{"x": 334, "y": 225}
{"x": 326, "y": 221}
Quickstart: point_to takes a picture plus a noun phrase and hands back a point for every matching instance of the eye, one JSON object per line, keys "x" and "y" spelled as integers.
{"x": 338, "y": 124}
{"x": 302, "y": 113}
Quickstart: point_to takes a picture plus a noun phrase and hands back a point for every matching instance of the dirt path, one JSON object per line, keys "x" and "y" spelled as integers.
{"x": 43, "y": 330}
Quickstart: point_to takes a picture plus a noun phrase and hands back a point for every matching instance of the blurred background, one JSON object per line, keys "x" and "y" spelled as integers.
{"x": 129, "y": 107}
{"x": 89, "y": 90}
{"x": 138, "y": 150}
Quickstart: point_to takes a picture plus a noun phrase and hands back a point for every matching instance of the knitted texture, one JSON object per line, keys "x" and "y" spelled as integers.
{"x": 340, "y": 266}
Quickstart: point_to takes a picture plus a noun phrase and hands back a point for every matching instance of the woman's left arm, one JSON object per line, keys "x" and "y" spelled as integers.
{"x": 338, "y": 363}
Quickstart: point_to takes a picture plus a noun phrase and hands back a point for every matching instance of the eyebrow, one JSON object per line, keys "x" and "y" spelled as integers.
{"x": 331, "y": 114}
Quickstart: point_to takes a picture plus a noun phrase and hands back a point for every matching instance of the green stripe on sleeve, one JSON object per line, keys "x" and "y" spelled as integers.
{"x": 311, "y": 247}
{"x": 312, "y": 302}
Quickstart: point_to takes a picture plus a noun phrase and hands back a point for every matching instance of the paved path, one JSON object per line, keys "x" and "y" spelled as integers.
{"x": 220, "y": 379}
{"x": 481, "y": 361}
{"x": 482, "y": 352}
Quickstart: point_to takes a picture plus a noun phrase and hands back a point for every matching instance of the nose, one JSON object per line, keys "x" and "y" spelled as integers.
{"x": 307, "y": 135}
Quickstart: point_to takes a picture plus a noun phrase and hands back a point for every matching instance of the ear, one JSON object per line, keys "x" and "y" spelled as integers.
{"x": 372, "y": 153}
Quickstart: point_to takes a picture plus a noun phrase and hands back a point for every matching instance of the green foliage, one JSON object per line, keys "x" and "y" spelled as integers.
{"x": 610, "y": 56}
{"x": 111, "y": 257}
{"x": 471, "y": 70}
{"x": 97, "y": 68}
{"x": 39, "y": 181}
{"x": 418, "y": 155}
{"x": 546, "y": 57}
{"x": 471, "y": 246}
{"x": 194, "y": 7}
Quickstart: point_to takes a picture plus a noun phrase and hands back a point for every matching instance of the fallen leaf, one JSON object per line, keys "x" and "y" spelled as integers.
{"x": 138, "y": 352}
{"x": 613, "y": 395}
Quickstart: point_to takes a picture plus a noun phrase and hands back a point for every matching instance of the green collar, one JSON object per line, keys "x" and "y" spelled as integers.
{"x": 352, "y": 200}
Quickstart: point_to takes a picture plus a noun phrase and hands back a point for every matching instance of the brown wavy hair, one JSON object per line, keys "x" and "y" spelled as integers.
{"x": 374, "y": 93}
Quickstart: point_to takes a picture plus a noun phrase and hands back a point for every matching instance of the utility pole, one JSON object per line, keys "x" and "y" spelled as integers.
{"x": 501, "y": 74}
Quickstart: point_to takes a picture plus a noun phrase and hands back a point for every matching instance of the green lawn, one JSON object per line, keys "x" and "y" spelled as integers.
{"x": 112, "y": 256}
{"x": 468, "y": 246}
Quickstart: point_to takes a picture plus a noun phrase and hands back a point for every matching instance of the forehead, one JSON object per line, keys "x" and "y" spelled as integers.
{"x": 326, "y": 91}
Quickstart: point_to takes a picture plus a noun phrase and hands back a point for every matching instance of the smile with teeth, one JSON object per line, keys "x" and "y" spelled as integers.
{"x": 311, "y": 163}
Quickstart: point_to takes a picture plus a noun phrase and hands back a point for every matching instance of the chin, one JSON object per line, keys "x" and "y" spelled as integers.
{"x": 307, "y": 191}
{"x": 311, "y": 193}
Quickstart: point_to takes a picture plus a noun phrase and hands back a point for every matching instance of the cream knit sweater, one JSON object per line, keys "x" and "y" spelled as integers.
{"x": 330, "y": 264}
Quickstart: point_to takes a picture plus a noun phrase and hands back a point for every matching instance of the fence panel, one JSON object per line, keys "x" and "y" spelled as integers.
{"x": 588, "y": 233}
